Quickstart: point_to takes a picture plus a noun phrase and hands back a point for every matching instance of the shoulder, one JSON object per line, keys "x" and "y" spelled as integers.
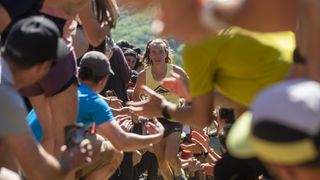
{"x": 142, "y": 74}
{"x": 178, "y": 70}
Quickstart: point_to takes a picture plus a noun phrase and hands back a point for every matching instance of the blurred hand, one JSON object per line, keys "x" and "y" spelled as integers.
{"x": 194, "y": 165}
{"x": 192, "y": 148}
{"x": 175, "y": 85}
{"x": 202, "y": 140}
{"x": 151, "y": 107}
{"x": 125, "y": 122}
{"x": 113, "y": 102}
{"x": 155, "y": 128}
{"x": 76, "y": 156}
{"x": 208, "y": 169}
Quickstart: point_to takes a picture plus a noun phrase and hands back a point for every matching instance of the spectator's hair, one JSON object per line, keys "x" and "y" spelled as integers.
{"x": 124, "y": 44}
{"x": 131, "y": 52}
{"x": 224, "y": 135}
{"x": 146, "y": 59}
{"x": 86, "y": 74}
{"x": 227, "y": 114}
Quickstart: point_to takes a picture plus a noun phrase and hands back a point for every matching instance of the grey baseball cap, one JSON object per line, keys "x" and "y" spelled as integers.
{"x": 97, "y": 62}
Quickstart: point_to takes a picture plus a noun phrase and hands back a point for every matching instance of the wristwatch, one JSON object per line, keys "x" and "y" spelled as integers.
{"x": 165, "y": 112}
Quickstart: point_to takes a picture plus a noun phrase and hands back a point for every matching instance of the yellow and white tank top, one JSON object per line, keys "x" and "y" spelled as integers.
{"x": 155, "y": 85}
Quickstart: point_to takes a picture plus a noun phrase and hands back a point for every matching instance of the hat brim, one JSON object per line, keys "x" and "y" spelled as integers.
{"x": 238, "y": 140}
{"x": 62, "y": 49}
{"x": 241, "y": 143}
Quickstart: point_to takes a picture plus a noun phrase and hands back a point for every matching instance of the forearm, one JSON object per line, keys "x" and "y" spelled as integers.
{"x": 27, "y": 152}
{"x": 189, "y": 115}
{"x": 94, "y": 32}
{"x": 134, "y": 141}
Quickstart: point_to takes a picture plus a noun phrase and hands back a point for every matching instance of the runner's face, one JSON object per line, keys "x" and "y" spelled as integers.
{"x": 157, "y": 53}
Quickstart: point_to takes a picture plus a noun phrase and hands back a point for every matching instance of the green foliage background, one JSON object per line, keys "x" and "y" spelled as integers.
{"x": 135, "y": 27}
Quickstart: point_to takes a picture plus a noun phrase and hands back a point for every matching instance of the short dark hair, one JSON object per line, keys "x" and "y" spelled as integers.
{"x": 227, "y": 114}
{"x": 86, "y": 74}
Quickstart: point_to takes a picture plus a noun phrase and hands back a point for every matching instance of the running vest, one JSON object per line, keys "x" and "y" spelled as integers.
{"x": 155, "y": 85}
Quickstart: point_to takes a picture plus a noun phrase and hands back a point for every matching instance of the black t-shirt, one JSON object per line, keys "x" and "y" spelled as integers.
{"x": 18, "y": 9}
{"x": 119, "y": 81}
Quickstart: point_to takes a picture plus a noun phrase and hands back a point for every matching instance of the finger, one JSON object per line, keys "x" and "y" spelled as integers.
{"x": 175, "y": 75}
{"x": 135, "y": 103}
{"x": 135, "y": 109}
{"x": 198, "y": 136}
{"x": 148, "y": 90}
{"x": 201, "y": 144}
{"x": 187, "y": 146}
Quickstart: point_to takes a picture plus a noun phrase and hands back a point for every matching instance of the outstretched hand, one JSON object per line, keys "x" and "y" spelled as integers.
{"x": 150, "y": 107}
{"x": 175, "y": 85}
{"x": 154, "y": 127}
{"x": 208, "y": 168}
{"x": 125, "y": 122}
{"x": 202, "y": 140}
{"x": 77, "y": 156}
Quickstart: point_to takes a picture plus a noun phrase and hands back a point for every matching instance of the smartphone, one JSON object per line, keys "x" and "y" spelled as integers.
{"x": 74, "y": 134}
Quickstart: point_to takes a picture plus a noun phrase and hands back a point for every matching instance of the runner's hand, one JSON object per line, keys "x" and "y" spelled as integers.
{"x": 155, "y": 127}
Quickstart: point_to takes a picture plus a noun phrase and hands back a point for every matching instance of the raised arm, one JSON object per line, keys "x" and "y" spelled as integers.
{"x": 94, "y": 32}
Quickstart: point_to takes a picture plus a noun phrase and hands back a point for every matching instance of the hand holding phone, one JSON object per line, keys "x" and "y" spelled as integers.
{"x": 74, "y": 134}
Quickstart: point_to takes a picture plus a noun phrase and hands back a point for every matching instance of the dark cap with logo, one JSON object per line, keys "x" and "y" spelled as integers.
{"x": 97, "y": 63}
{"x": 34, "y": 40}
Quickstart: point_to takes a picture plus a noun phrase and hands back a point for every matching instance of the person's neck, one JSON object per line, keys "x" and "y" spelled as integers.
{"x": 93, "y": 87}
{"x": 159, "y": 69}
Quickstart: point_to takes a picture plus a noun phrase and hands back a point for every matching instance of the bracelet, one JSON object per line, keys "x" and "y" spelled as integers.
{"x": 165, "y": 112}
{"x": 208, "y": 19}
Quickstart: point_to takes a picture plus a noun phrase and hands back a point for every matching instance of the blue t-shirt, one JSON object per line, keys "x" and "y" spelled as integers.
{"x": 92, "y": 109}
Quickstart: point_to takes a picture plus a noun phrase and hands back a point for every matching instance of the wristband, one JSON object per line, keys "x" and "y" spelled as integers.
{"x": 208, "y": 19}
{"x": 165, "y": 112}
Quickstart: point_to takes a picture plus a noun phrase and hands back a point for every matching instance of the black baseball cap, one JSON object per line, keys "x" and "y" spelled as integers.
{"x": 34, "y": 40}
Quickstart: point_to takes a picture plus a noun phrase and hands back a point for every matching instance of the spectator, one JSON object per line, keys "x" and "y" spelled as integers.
{"x": 282, "y": 130}
{"x": 22, "y": 64}
{"x": 122, "y": 73}
{"x": 158, "y": 58}
{"x": 94, "y": 73}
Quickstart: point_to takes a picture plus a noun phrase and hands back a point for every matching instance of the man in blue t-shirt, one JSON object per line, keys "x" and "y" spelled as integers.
{"x": 93, "y": 74}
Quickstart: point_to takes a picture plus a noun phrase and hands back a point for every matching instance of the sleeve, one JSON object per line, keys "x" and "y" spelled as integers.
{"x": 101, "y": 112}
{"x": 12, "y": 114}
{"x": 200, "y": 68}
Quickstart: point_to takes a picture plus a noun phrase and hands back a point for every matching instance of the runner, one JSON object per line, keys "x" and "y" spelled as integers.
{"x": 158, "y": 58}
